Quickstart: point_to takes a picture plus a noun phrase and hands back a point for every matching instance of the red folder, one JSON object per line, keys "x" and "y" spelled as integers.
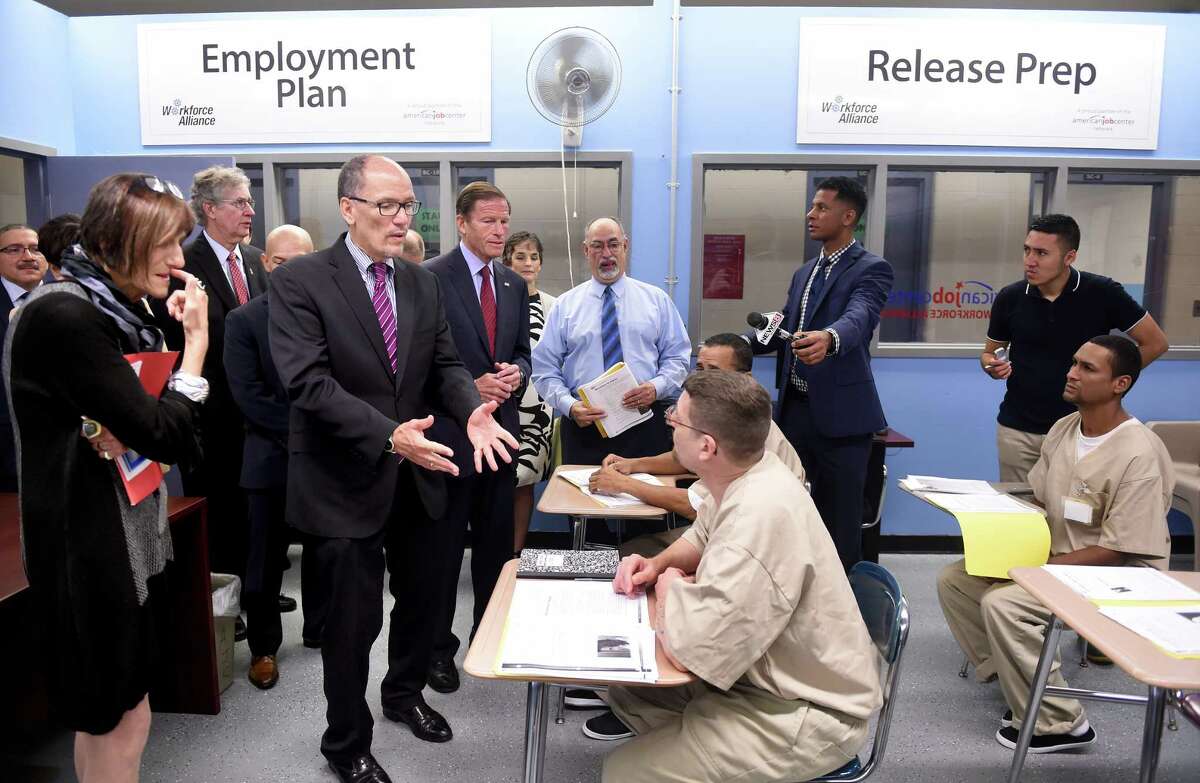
{"x": 140, "y": 475}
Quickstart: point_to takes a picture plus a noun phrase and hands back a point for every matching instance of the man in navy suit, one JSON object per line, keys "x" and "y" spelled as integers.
{"x": 22, "y": 269}
{"x": 263, "y": 400}
{"x": 829, "y": 407}
{"x": 487, "y": 308}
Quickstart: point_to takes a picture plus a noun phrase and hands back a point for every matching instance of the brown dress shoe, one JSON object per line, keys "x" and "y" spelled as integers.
{"x": 264, "y": 672}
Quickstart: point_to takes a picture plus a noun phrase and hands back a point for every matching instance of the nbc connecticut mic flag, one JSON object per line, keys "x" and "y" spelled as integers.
{"x": 140, "y": 475}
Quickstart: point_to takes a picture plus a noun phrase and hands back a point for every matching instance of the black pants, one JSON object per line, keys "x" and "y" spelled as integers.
{"x": 484, "y": 502}
{"x": 837, "y": 468}
{"x": 267, "y": 546}
{"x": 351, "y": 577}
{"x": 219, "y": 483}
{"x": 586, "y": 446}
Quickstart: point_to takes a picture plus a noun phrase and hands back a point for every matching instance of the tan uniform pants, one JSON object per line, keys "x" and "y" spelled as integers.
{"x": 1019, "y": 452}
{"x": 1001, "y": 628}
{"x": 698, "y": 734}
{"x": 651, "y": 544}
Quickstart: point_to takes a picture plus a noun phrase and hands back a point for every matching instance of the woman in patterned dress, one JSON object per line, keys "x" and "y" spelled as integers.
{"x": 523, "y": 253}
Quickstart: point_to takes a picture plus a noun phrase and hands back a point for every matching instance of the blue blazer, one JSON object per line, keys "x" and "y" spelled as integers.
{"x": 841, "y": 389}
{"x": 470, "y": 337}
{"x": 259, "y": 394}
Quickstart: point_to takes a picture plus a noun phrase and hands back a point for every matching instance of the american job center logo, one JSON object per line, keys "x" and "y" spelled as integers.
{"x": 966, "y": 299}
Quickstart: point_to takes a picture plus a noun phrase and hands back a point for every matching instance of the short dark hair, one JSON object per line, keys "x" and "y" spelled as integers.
{"x": 351, "y": 176}
{"x": 743, "y": 357}
{"x": 733, "y": 408}
{"x": 519, "y": 238}
{"x": 475, "y": 192}
{"x": 57, "y": 235}
{"x": 1062, "y": 226}
{"x": 1123, "y": 355}
{"x": 849, "y": 190}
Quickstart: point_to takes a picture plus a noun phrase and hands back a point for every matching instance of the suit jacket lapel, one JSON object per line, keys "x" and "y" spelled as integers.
{"x": 256, "y": 276}
{"x": 845, "y": 262}
{"x": 464, "y": 286}
{"x": 505, "y": 296}
{"x": 351, "y": 284}
{"x": 210, "y": 266}
{"x": 405, "y": 306}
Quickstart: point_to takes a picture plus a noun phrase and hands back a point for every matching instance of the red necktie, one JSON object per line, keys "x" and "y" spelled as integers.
{"x": 239, "y": 282}
{"x": 487, "y": 303}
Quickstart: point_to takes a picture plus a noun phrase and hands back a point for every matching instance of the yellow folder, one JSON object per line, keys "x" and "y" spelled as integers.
{"x": 995, "y": 542}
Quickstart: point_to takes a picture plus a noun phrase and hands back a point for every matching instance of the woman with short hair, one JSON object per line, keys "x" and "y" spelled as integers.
{"x": 94, "y": 561}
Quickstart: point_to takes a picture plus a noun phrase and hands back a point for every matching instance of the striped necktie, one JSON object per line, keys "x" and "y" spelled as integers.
{"x": 383, "y": 311}
{"x": 610, "y": 332}
{"x": 239, "y": 283}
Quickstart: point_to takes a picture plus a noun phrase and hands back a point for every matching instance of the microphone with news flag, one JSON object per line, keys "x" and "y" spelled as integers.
{"x": 767, "y": 326}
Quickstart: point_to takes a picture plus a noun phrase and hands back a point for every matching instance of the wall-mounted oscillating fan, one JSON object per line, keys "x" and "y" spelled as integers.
{"x": 573, "y": 77}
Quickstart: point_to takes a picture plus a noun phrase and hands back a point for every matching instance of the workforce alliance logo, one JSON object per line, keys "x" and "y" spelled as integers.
{"x": 189, "y": 113}
{"x": 851, "y": 112}
{"x": 965, "y": 299}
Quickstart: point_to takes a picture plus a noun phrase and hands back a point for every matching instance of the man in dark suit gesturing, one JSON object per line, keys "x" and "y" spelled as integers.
{"x": 829, "y": 407}
{"x": 362, "y": 346}
{"x": 487, "y": 307}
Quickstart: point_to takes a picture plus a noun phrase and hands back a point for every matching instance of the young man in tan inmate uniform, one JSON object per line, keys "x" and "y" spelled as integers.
{"x": 1105, "y": 481}
{"x": 754, "y": 602}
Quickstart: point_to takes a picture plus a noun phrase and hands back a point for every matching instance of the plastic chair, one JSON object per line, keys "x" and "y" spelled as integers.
{"x": 885, "y": 613}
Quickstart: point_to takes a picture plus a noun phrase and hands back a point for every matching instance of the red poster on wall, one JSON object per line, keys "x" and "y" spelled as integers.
{"x": 724, "y": 265}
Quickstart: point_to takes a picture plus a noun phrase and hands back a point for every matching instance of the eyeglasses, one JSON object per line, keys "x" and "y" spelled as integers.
{"x": 613, "y": 245}
{"x": 241, "y": 204}
{"x": 390, "y": 208}
{"x": 669, "y": 416}
{"x": 161, "y": 186}
{"x": 15, "y": 251}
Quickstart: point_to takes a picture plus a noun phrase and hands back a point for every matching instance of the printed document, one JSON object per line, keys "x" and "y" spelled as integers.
{"x": 606, "y": 393}
{"x": 987, "y": 504}
{"x": 580, "y": 478}
{"x": 1124, "y": 585}
{"x": 954, "y": 486}
{"x": 1175, "y": 629}
{"x": 577, "y": 630}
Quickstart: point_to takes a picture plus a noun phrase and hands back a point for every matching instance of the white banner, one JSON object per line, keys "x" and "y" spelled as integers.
{"x": 393, "y": 79}
{"x": 979, "y": 83}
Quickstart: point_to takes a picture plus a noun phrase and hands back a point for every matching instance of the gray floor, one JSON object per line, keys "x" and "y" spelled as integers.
{"x": 942, "y": 730}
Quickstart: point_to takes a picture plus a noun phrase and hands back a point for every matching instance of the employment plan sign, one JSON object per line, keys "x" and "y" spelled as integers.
{"x": 395, "y": 79}
{"x": 919, "y": 81}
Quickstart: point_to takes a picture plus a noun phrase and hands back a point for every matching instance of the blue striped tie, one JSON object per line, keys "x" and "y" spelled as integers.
{"x": 610, "y": 334}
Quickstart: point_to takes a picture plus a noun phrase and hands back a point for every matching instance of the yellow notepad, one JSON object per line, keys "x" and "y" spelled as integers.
{"x": 993, "y": 543}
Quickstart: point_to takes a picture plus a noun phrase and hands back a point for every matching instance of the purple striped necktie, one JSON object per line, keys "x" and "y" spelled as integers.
{"x": 383, "y": 311}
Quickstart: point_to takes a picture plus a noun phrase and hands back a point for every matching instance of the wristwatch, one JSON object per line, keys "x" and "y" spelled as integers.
{"x": 390, "y": 448}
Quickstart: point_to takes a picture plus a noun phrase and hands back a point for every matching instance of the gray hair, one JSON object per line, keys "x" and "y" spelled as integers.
{"x": 209, "y": 184}
{"x": 350, "y": 178}
{"x": 588, "y": 229}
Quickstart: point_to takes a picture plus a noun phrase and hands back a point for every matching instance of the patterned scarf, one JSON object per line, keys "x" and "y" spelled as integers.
{"x": 105, "y": 295}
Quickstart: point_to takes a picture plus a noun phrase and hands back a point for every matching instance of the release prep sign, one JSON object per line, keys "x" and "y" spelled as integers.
{"x": 356, "y": 79}
{"x": 963, "y": 82}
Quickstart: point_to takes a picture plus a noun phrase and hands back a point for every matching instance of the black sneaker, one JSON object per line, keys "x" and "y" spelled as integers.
{"x": 1048, "y": 743}
{"x": 606, "y": 726}
{"x": 1006, "y": 719}
{"x": 583, "y": 699}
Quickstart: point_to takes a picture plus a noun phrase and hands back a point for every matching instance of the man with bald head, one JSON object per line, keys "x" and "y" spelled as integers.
{"x": 362, "y": 346}
{"x": 414, "y": 248}
{"x": 607, "y": 319}
{"x": 264, "y": 403}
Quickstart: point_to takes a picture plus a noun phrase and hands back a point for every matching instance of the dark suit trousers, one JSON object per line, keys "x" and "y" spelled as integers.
{"x": 483, "y": 501}
{"x": 267, "y": 546}
{"x": 218, "y": 479}
{"x": 351, "y": 577}
{"x": 586, "y": 446}
{"x": 837, "y": 468}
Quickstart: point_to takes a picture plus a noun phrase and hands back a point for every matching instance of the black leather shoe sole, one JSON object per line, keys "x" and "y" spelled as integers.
{"x": 399, "y": 716}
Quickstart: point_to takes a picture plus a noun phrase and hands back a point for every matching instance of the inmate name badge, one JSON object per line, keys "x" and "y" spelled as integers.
{"x": 1079, "y": 511}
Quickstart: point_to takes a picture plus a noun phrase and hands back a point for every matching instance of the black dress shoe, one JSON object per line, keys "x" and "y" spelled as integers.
{"x": 239, "y": 630}
{"x": 286, "y": 604}
{"x": 312, "y": 644}
{"x": 442, "y": 676}
{"x": 426, "y": 722}
{"x": 364, "y": 769}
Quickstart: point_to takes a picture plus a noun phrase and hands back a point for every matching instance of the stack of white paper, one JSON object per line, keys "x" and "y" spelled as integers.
{"x": 1108, "y": 585}
{"x": 607, "y": 393}
{"x": 986, "y": 504}
{"x": 1176, "y": 629}
{"x": 948, "y": 485}
{"x": 577, "y": 630}
{"x": 580, "y": 478}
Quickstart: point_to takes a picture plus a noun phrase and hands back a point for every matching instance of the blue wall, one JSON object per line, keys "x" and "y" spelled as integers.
{"x": 36, "y": 78}
{"x": 738, "y": 72}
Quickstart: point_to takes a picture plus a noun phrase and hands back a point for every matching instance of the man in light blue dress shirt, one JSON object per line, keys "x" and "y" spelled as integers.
{"x": 647, "y": 333}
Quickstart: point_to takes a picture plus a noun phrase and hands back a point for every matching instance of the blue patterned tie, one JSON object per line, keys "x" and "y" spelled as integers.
{"x": 817, "y": 284}
{"x": 610, "y": 334}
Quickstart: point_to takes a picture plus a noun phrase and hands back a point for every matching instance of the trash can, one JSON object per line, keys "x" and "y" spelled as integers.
{"x": 226, "y": 594}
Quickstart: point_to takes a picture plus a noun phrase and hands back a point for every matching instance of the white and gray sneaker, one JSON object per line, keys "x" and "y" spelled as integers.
{"x": 1082, "y": 735}
{"x": 606, "y": 726}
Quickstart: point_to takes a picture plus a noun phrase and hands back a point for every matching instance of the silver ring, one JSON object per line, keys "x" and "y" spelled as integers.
{"x": 106, "y": 455}
{"x": 200, "y": 285}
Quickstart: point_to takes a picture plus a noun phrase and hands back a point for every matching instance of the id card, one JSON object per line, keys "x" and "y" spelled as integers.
{"x": 1078, "y": 511}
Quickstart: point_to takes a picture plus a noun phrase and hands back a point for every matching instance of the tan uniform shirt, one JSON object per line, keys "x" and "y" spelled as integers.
{"x": 771, "y": 606}
{"x": 775, "y": 444}
{"x": 1126, "y": 481}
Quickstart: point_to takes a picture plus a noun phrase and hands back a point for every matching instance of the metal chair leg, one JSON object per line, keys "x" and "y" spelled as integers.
{"x": 1083, "y": 649}
{"x": 962, "y": 670}
{"x": 560, "y": 701}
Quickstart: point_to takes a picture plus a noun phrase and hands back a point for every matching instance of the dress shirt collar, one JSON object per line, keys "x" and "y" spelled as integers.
{"x": 596, "y": 288}
{"x": 219, "y": 250}
{"x": 833, "y": 257}
{"x": 1032, "y": 289}
{"x": 474, "y": 262}
{"x": 363, "y": 261}
{"x": 15, "y": 291}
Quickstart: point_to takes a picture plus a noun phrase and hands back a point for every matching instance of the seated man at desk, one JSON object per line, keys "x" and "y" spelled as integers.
{"x": 725, "y": 351}
{"x": 754, "y": 602}
{"x": 1105, "y": 481}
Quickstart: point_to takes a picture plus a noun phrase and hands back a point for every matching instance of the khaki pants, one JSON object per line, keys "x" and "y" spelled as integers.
{"x": 1019, "y": 452}
{"x": 698, "y": 734}
{"x": 1001, "y": 628}
{"x": 651, "y": 544}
